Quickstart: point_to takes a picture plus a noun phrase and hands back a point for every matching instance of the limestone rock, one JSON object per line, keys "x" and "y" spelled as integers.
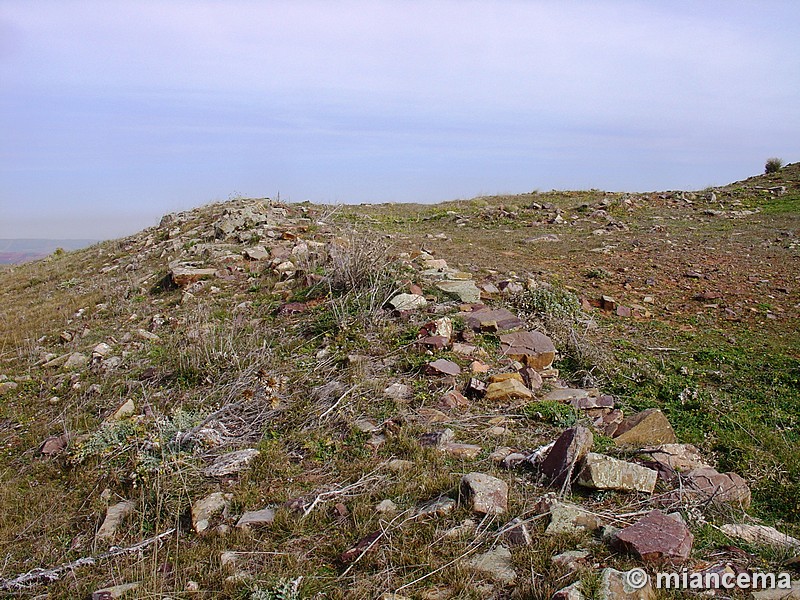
{"x": 497, "y": 564}
{"x": 792, "y": 593}
{"x": 440, "y": 507}
{"x": 657, "y": 536}
{"x": 256, "y": 253}
{"x": 508, "y": 389}
{"x": 486, "y": 494}
{"x": 531, "y": 348}
{"x": 251, "y": 518}
{"x": 205, "y": 509}
{"x": 570, "y": 448}
{"x": 231, "y": 463}
{"x": 762, "y": 535}
{"x": 115, "y": 515}
{"x": 436, "y": 439}
{"x": 55, "y": 444}
{"x": 408, "y": 302}
{"x": 386, "y": 507}
{"x": 116, "y": 591}
{"x": 616, "y": 585}
{"x": 602, "y": 472}
{"x": 184, "y": 274}
{"x": 126, "y": 409}
{"x": 76, "y": 361}
{"x": 572, "y": 560}
{"x": 398, "y": 391}
{"x": 647, "y": 428}
{"x": 570, "y": 519}
{"x": 466, "y": 291}
{"x": 463, "y": 451}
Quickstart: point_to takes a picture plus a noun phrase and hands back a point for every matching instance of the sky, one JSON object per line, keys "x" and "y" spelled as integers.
{"x": 115, "y": 113}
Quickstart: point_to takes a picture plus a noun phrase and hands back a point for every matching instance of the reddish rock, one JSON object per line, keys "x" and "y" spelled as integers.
{"x": 366, "y": 544}
{"x": 453, "y": 399}
{"x": 487, "y": 319}
{"x": 437, "y": 342}
{"x": 443, "y": 367}
{"x": 569, "y": 448}
{"x": 720, "y": 488}
{"x": 55, "y": 444}
{"x": 657, "y": 536}
{"x": 623, "y": 311}
{"x": 475, "y": 388}
{"x": 531, "y": 378}
{"x": 531, "y": 348}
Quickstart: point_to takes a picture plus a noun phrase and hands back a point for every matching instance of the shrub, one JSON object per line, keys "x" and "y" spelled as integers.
{"x": 773, "y": 165}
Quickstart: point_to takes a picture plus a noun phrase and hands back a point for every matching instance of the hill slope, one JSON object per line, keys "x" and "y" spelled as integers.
{"x": 245, "y": 357}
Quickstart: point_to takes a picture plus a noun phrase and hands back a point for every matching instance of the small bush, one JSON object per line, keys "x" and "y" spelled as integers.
{"x": 773, "y": 165}
{"x": 561, "y": 415}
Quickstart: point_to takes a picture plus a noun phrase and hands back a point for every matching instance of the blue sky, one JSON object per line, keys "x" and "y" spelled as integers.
{"x": 114, "y": 113}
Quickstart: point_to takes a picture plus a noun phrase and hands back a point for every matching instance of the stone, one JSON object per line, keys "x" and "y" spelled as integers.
{"x": 398, "y": 465}
{"x": 486, "y": 495}
{"x": 657, "y": 536}
{"x": 531, "y": 348}
{"x": 397, "y": 391}
{"x": 531, "y": 378}
{"x": 7, "y": 386}
{"x": 508, "y": 389}
{"x": 257, "y": 253}
{"x": 463, "y": 451}
{"x": 602, "y": 472}
{"x": 706, "y": 484}
{"x": 251, "y": 518}
{"x": 436, "y": 439}
{"x": 147, "y": 335}
{"x": 116, "y": 591}
{"x": 453, "y": 399}
{"x": 205, "y": 509}
{"x": 496, "y": 564}
{"x": 475, "y": 388}
{"x": 443, "y": 367}
{"x": 465, "y": 291}
{"x": 408, "y": 302}
{"x": 569, "y": 449}
{"x": 486, "y": 319}
{"x": 76, "y": 361}
{"x": 500, "y": 377}
{"x": 101, "y": 351}
{"x": 126, "y": 409}
{"x": 573, "y": 591}
{"x": 464, "y": 349}
{"x": 616, "y": 585}
{"x": 516, "y": 533}
{"x": 440, "y": 507}
{"x": 185, "y": 274}
{"x": 366, "y": 544}
{"x": 647, "y": 428}
{"x": 779, "y": 593}
{"x": 676, "y": 457}
{"x": 761, "y": 535}
{"x": 434, "y": 342}
{"x": 566, "y": 518}
{"x": 55, "y": 444}
{"x": 115, "y": 515}
{"x": 386, "y": 507}
{"x": 231, "y": 463}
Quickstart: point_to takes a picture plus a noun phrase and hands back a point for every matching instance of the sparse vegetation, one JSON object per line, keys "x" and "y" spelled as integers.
{"x": 773, "y": 165}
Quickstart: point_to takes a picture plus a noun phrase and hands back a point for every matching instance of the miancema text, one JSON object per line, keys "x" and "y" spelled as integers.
{"x": 728, "y": 581}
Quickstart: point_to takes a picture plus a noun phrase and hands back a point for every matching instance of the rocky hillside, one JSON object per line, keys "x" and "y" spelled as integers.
{"x": 511, "y": 397}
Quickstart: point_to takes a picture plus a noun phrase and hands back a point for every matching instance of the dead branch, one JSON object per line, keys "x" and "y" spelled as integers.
{"x": 40, "y": 575}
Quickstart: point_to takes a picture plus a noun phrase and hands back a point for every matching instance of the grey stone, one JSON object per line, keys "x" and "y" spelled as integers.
{"x": 231, "y": 463}
{"x": 486, "y": 494}
{"x": 440, "y": 507}
{"x": 570, "y": 519}
{"x": 761, "y": 534}
{"x": 408, "y": 302}
{"x": 256, "y": 517}
{"x": 497, "y": 564}
{"x": 205, "y": 509}
{"x": 616, "y": 585}
{"x": 115, "y": 515}
{"x": 466, "y": 291}
{"x": 75, "y": 361}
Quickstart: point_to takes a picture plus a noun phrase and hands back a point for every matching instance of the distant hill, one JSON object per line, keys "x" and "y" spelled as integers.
{"x": 16, "y": 251}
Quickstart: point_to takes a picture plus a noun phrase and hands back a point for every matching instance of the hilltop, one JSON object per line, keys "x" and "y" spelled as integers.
{"x": 498, "y": 397}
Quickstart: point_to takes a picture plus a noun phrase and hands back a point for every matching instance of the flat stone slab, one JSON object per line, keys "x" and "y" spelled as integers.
{"x": 184, "y": 275}
{"x": 466, "y": 291}
{"x": 487, "y": 319}
{"x": 265, "y": 516}
{"x": 720, "y": 488}
{"x": 761, "y": 534}
{"x": 531, "y": 348}
{"x": 657, "y": 536}
{"x": 508, "y": 389}
{"x": 115, "y": 515}
{"x": 602, "y": 472}
{"x": 408, "y": 302}
{"x": 497, "y": 564}
{"x": 443, "y": 367}
{"x": 647, "y": 428}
